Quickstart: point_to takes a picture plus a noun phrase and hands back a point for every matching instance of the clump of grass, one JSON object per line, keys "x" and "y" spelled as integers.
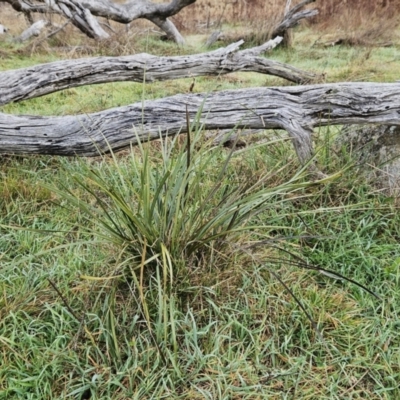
{"x": 182, "y": 211}
{"x": 179, "y": 209}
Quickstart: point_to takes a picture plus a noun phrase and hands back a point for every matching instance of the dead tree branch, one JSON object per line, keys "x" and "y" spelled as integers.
{"x": 39, "y": 80}
{"x": 295, "y": 109}
{"x": 83, "y": 12}
{"x": 293, "y": 17}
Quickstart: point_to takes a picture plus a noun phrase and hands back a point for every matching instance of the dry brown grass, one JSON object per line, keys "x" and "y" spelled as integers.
{"x": 206, "y": 14}
{"x": 359, "y": 22}
{"x": 331, "y": 8}
{"x": 353, "y": 22}
{"x": 251, "y": 20}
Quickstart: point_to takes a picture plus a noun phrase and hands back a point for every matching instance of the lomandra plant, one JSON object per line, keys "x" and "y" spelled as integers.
{"x": 177, "y": 207}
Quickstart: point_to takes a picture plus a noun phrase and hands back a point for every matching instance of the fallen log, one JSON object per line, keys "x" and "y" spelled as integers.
{"x": 296, "y": 109}
{"x": 39, "y": 80}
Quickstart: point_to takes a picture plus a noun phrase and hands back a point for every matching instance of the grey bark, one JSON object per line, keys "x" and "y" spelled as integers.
{"x": 27, "y": 83}
{"x": 73, "y": 10}
{"x": 82, "y": 13}
{"x": 296, "y": 109}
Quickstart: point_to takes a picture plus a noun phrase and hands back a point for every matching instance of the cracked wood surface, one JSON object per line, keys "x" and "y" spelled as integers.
{"x": 39, "y": 80}
{"x": 296, "y": 109}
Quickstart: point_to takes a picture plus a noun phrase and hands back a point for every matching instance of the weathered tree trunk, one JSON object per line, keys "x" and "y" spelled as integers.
{"x": 26, "y": 83}
{"x": 296, "y": 109}
{"x": 82, "y": 13}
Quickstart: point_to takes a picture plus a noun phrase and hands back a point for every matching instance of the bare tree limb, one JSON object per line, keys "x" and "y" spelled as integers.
{"x": 293, "y": 16}
{"x": 57, "y": 29}
{"x": 39, "y": 80}
{"x": 81, "y": 17}
{"x": 290, "y": 19}
{"x": 298, "y": 7}
{"x": 290, "y": 23}
{"x": 27, "y": 7}
{"x": 296, "y": 109}
{"x": 287, "y": 7}
{"x": 82, "y": 13}
{"x": 170, "y": 29}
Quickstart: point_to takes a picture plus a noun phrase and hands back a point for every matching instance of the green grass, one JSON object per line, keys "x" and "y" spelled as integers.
{"x": 226, "y": 328}
{"x": 77, "y": 320}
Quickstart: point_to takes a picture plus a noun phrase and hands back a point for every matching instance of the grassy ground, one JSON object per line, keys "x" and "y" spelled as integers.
{"x": 86, "y": 312}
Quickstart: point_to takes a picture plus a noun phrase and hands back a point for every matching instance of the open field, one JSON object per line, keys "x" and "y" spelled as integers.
{"x": 149, "y": 274}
